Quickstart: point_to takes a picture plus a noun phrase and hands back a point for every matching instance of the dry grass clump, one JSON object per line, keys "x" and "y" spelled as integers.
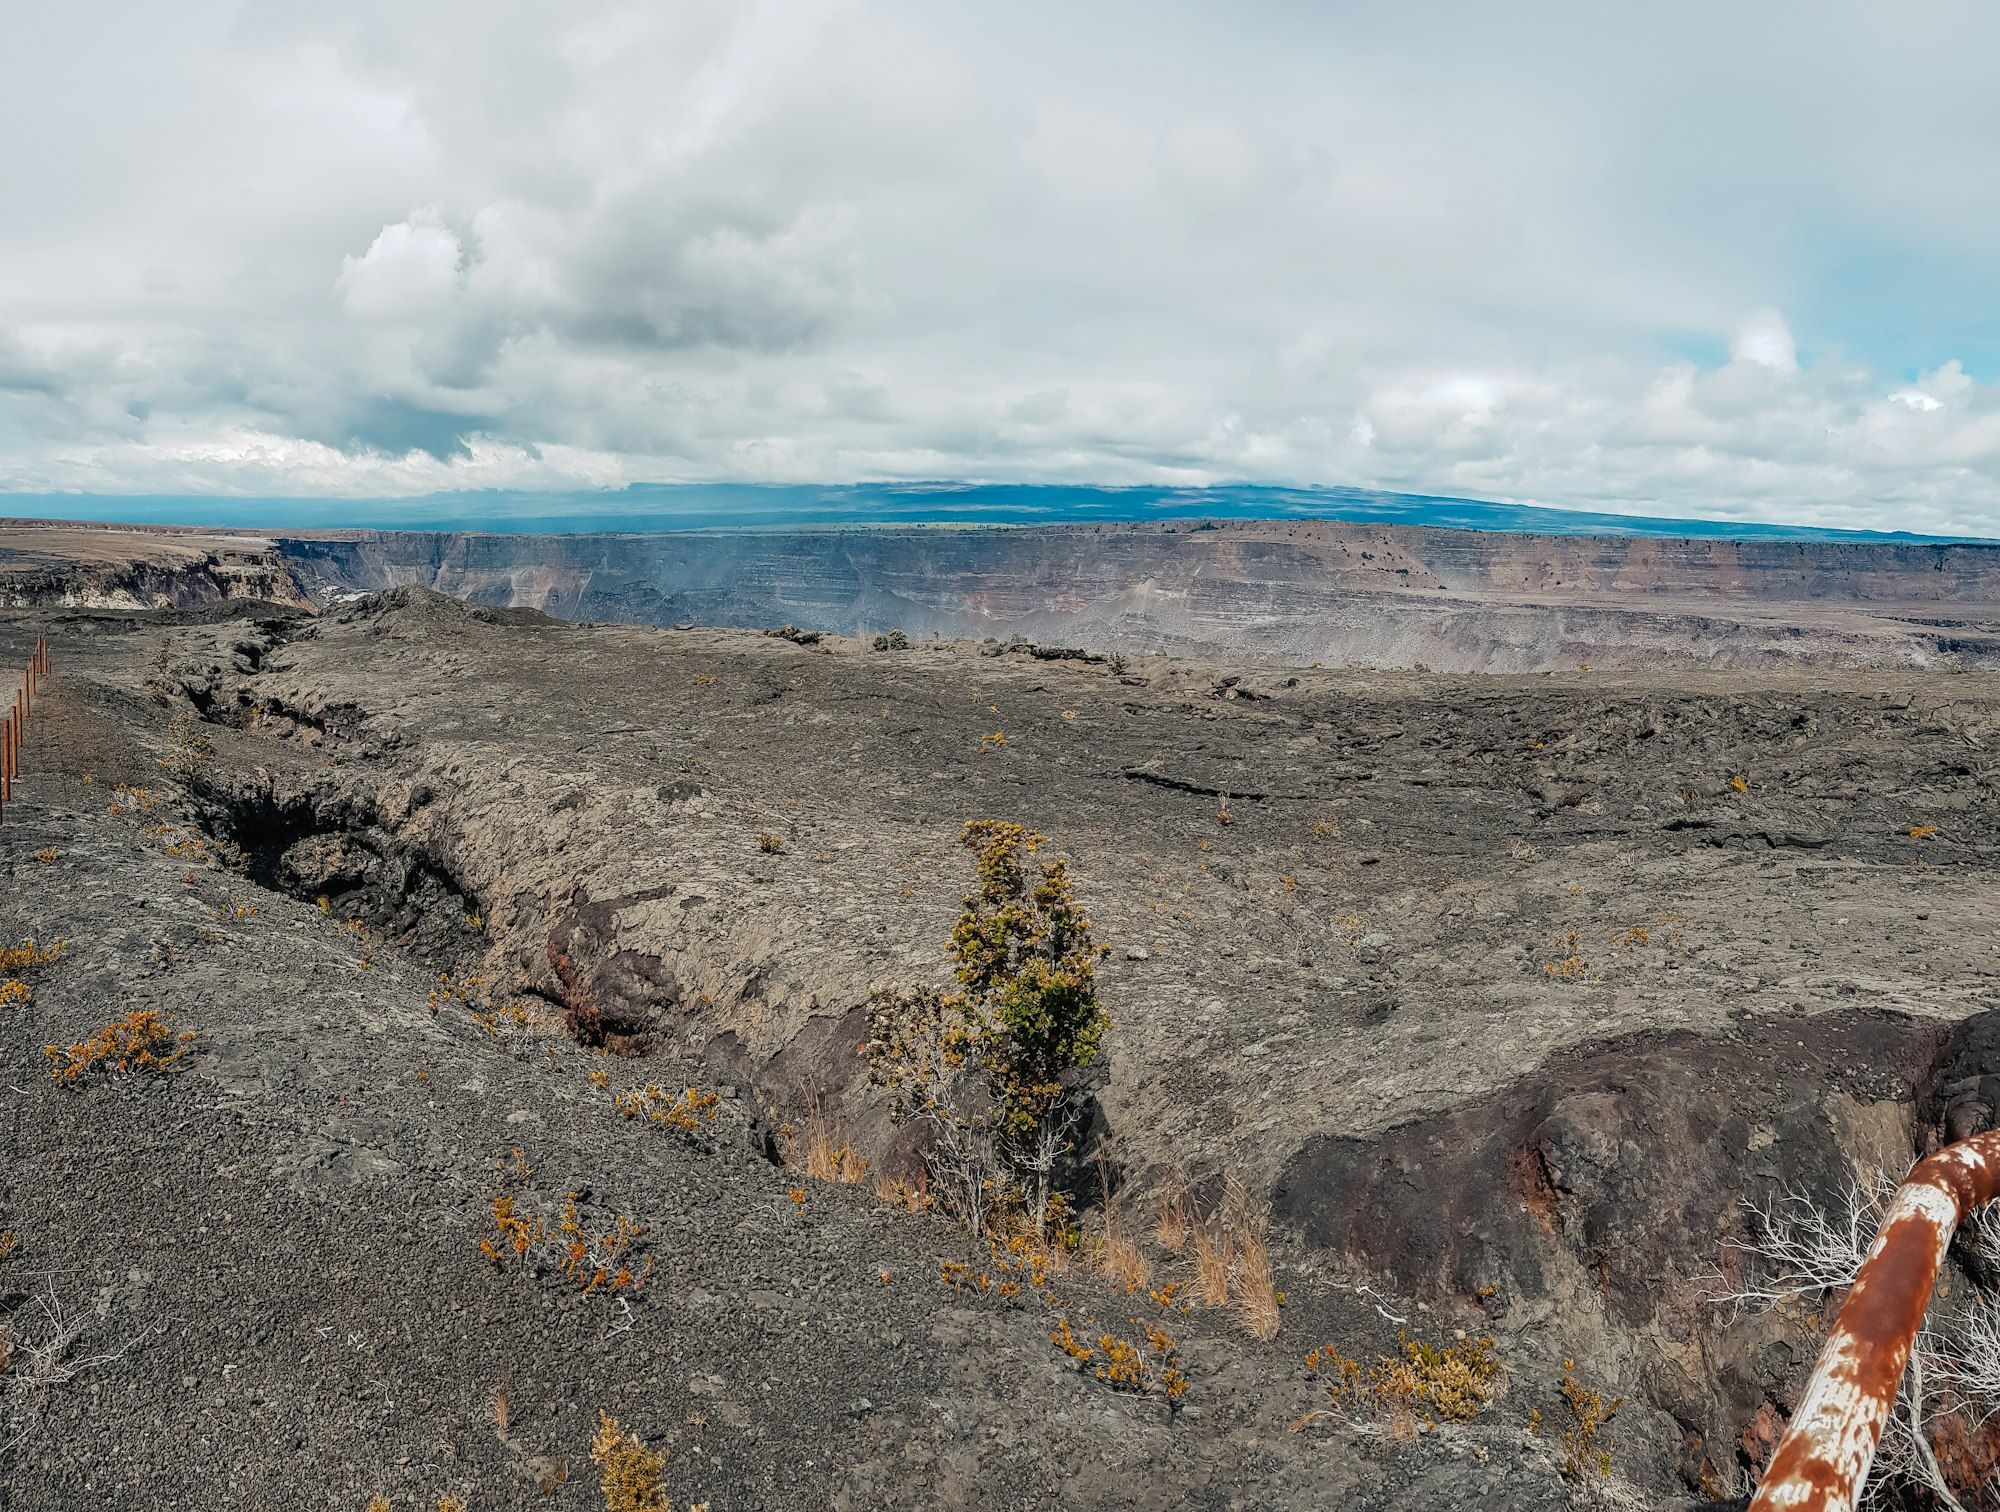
{"x": 145, "y": 1039}
{"x": 1120, "y": 1258}
{"x": 816, "y": 1146}
{"x": 1210, "y": 1244}
{"x": 1256, "y": 1291}
{"x": 1231, "y": 1250}
{"x": 902, "y": 1194}
{"x": 1177, "y": 1211}
{"x": 1118, "y": 1254}
{"x": 1423, "y": 1385}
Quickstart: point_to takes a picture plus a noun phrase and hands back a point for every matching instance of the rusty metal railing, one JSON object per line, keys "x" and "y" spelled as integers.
{"x": 14, "y": 725}
{"x": 1821, "y": 1463}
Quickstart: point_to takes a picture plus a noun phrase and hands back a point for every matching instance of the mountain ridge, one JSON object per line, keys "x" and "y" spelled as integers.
{"x": 654, "y": 507}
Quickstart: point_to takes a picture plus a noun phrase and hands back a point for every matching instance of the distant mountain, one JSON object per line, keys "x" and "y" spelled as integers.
{"x": 709, "y": 506}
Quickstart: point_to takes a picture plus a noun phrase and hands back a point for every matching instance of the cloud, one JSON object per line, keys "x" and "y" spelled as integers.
{"x": 1766, "y": 340}
{"x": 409, "y": 271}
{"x": 389, "y": 249}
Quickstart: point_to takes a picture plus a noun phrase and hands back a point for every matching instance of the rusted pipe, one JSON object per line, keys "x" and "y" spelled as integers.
{"x": 1821, "y": 1464}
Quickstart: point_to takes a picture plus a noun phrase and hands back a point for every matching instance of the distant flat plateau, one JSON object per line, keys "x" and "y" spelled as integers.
{"x": 1291, "y": 591}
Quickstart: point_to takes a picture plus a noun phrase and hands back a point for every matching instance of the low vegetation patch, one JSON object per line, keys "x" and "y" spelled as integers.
{"x": 190, "y": 748}
{"x": 1149, "y": 1366}
{"x": 686, "y": 1110}
{"x": 1229, "y": 1249}
{"x": 26, "y": 956}
{"x": 143, "y": 1040}
{"x": 1420, "y": 1386}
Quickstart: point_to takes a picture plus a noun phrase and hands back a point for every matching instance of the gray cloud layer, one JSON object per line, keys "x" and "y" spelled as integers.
{"x": 1554, "y": 253}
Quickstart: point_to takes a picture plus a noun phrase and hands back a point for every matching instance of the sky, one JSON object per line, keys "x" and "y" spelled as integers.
{"x": 1715, "y": 260}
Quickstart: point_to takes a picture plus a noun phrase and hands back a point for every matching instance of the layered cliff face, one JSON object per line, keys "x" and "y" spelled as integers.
{"x": 1297, "y": 592}
{"x": 107, "y": 568}
{"x": 1301, "y": 592}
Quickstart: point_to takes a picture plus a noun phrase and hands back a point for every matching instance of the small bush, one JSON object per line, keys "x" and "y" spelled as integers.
{"x": 609, "y": 1260}
{"x": 143, "y": 1040}
{"x": 1587, "y": 1414}
{"x": 630, "y": 1475}
{"x": 1569, "y": 966}
{"x": 995, "y": 1068}
{"x": 190, "y": 748}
